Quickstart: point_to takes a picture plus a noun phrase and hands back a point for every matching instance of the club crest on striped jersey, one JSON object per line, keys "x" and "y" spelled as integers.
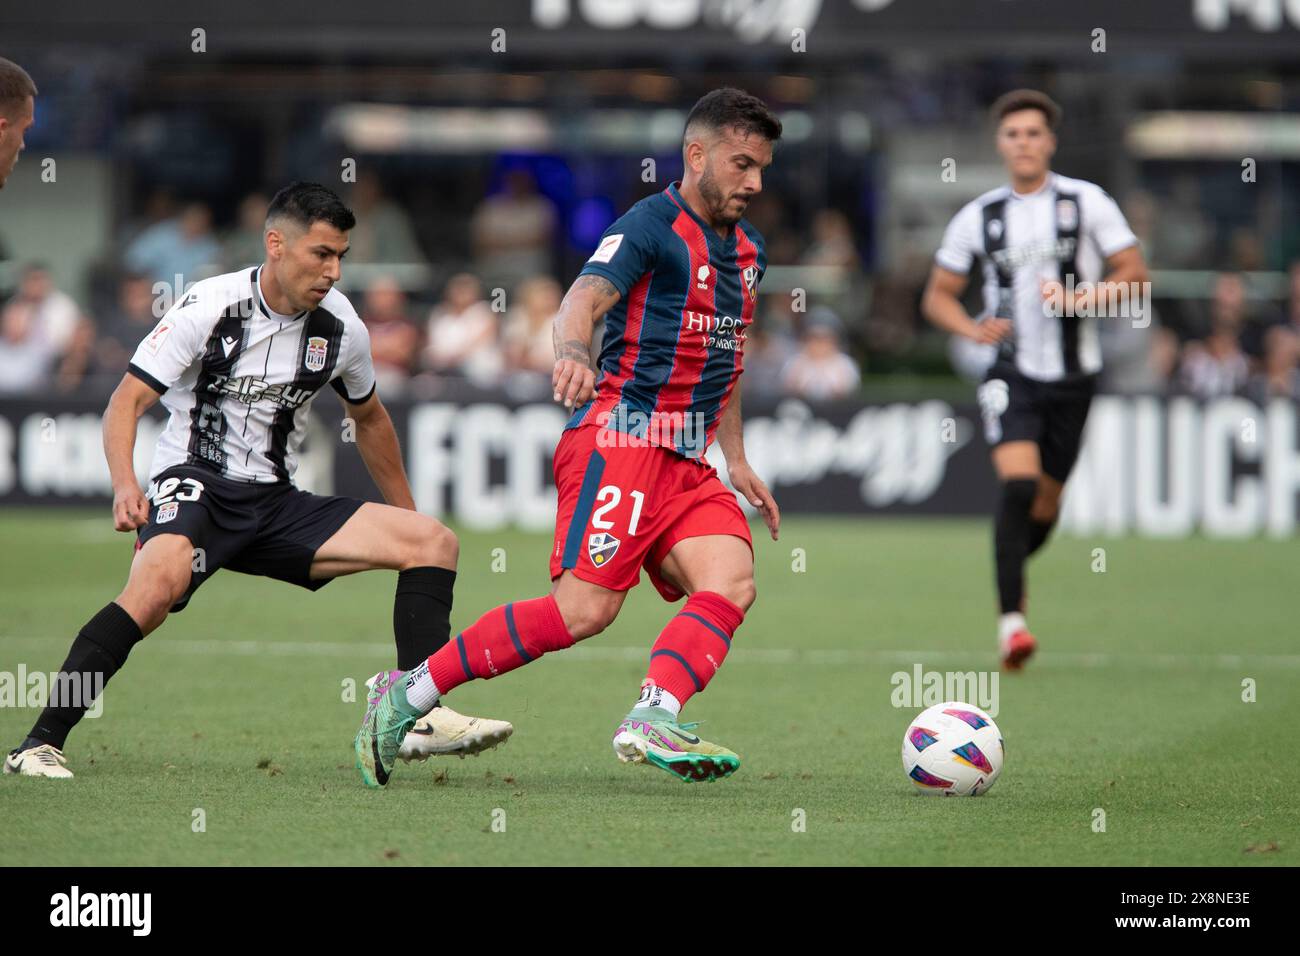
{"x": 751, "y": 279}
{"x": 317, "y": 351}
{"x": 601, "y": 548}
{"x": 1067, "y": 214}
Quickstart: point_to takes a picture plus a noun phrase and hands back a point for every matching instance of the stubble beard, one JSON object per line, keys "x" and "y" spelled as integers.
{"x": 716, "y": 201}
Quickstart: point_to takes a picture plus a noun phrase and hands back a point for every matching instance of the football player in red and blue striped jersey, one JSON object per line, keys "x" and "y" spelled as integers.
{"x": 676, "y": 280}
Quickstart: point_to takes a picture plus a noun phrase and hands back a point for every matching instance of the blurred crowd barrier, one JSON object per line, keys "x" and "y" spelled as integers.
{"x": 1151, "y": 465}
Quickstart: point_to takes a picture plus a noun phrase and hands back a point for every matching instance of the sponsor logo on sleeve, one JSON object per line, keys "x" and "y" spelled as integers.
{"x": 608, "y": 246}
{"x": 158, "y": 336}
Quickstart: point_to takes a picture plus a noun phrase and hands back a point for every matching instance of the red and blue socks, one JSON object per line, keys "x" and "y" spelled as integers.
{"x": 689, "y": 651}
{"x": 502, "y": 640}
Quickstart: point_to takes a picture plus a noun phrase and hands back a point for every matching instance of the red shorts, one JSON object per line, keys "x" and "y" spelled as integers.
{"x": 623, "y": 508}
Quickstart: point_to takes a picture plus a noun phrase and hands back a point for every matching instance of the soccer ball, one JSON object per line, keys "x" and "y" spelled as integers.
{"x": 954, "y": 749}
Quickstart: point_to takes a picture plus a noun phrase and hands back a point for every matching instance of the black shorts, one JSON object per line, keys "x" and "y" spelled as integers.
{"x": 268, "y": 529}
{"x": 1050, "y": 414}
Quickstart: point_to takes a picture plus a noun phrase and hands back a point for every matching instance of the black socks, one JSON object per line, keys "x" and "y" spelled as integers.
{"x": 98, "y": 653}
{"x": 1011, "y": 538}
{"x": 421, "y": 613}
{"x": 1038, "y": 532}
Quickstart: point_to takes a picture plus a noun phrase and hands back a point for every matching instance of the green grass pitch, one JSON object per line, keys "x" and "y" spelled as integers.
{"x": 235, "y": 708}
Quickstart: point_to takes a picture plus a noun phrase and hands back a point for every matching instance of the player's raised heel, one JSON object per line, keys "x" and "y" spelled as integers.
{"x": 629, "y": 749}
{"x": 653, "y": 736}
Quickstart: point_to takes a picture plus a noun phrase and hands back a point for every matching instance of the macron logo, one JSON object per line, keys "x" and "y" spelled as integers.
{"x": 228, "y": 343}
{"x": 103, "y": 909}
{"x": 608, "y": 246}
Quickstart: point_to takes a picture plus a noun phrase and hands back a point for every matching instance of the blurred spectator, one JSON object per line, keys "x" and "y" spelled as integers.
{"x": 48, "y": 327}
{"x": 820, "y": 370}
{"x": 1281, "y": 365}
{"x": 1137, "y": 359}
{"x": 245, "y": 245}
{"x": 182, "y": 246}
{"x": 1216, "y": 366}
{"x": 1183, "y": 235}
{"x": 1163, "y": 356}
{"x": 462, "y": 333}
{"x": 770, "y": 217}
{"x": 1246, "y": 251}
{"x": 159, "y": 206}
{"x": 1140, "y": 211}
{"x": 528, "y": 340}
{"x": 383, "y": 232}
{"x": 56, "y": 315}
{"x": 1230, "y": 303}
{"x": 769, "y": 346}
{"x": 895, "y": 304}
{"x": 832, "y": 250}
{"x": 394, "y": 338}
{"x": 26, "y": 359}
{"x": 512, "y": 232}
{"x": 832, "y": 242}
{"x": 1279, "y": 376}
{"x": 127, "y": 325}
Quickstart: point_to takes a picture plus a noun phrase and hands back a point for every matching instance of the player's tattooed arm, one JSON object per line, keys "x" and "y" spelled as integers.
{"x": 589, "y": 298}
{"x": 597, "y": 289}
{"x": 574, "y": 349}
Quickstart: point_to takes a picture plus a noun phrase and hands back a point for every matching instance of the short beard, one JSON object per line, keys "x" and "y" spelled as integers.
{"x": 716, "y": 202}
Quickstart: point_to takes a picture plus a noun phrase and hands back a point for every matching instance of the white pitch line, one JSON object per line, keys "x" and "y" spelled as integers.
{"x": 833, "y": 657}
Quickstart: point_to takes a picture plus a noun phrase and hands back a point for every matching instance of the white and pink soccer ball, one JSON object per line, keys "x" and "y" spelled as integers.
{"x": 953, "y": 749}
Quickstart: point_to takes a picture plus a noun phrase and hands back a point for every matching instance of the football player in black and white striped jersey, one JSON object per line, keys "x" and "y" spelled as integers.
{"x": 237, "y": 362}
{"x": 1055, "y": 256}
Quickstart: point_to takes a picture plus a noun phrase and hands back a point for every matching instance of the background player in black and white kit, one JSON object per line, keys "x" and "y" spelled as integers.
{"x": 237, "y": 362}
{"x": 1040, "y": 239}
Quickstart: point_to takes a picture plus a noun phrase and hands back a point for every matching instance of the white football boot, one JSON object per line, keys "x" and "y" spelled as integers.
{"x": 43, "y": 761}
{"x": 442, "y": 731}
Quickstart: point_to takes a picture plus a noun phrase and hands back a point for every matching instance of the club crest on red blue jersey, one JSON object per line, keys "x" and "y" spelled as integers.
{"x": 751, "y": 279}
{"x": 317, "y": 350}
{"x": 601, "y": 548}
